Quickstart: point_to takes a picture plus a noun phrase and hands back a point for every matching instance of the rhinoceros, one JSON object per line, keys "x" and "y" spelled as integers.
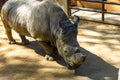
{"x": 47, "y": 23}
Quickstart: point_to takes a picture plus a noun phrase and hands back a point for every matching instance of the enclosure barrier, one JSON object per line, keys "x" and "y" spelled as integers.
{"x": 102, "y": 10}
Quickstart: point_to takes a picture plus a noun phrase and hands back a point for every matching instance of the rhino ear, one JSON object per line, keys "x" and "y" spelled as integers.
{"x": 76, "y": 20}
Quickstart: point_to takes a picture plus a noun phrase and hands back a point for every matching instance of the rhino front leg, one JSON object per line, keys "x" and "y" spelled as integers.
{"x": 50, "y": 50}
{"x": 24, "y": 40}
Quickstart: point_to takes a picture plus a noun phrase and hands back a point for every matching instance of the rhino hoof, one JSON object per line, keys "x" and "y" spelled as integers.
{"x": 12, "y": 42}
{"x": 49, "y": 58}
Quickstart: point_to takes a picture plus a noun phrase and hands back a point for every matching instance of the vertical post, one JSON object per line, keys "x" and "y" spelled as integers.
{"x": 69, "y": 5}
{"x": 103, "y": 10}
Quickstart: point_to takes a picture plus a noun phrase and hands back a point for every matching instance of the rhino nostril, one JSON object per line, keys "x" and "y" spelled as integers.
{"x": 84, "y": 57}
{"x": 77, "y": 50}
{"x": 65, "y": 51}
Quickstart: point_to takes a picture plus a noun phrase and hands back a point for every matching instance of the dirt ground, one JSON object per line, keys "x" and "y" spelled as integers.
{"x": 101, "y": 44}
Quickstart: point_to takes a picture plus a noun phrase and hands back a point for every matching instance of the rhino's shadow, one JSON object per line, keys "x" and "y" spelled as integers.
{"x": 94, "y": 67}
{"x": 39, "y": 50}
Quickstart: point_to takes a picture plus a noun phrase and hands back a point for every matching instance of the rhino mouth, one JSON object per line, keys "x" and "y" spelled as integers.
{"x": 71, "y": 65}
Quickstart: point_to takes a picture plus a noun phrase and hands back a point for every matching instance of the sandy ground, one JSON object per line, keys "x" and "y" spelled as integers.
{"x": 101, "y": 44}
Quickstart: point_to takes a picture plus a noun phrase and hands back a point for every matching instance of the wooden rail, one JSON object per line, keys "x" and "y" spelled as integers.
{"x": 103, "y": 11}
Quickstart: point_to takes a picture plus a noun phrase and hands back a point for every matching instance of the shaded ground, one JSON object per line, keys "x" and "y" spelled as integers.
{"x": 100, "y": 42}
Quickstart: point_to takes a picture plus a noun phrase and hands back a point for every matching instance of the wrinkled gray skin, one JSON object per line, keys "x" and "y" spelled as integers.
{"x": 46, "y": 22}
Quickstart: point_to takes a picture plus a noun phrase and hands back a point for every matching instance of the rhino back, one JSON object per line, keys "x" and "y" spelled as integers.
{"x": 28, "y": 17}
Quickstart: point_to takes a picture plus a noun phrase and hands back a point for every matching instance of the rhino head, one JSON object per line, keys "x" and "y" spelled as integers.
{"x": 67, "y": 44}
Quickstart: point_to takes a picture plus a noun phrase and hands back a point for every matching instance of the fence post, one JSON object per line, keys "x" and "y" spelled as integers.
{"x": 103, "y": 10}
{"x": 68, "y": 7}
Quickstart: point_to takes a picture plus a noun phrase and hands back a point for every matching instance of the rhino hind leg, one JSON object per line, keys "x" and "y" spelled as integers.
{"x": 10, "y": 37}
{"x": 9, "y": 34}
{"x": 24, "y": 40}
{"x": 50, "y": 50}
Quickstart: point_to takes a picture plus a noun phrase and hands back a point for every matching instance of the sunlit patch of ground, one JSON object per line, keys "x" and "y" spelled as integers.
{"x": 102, "y": 40}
